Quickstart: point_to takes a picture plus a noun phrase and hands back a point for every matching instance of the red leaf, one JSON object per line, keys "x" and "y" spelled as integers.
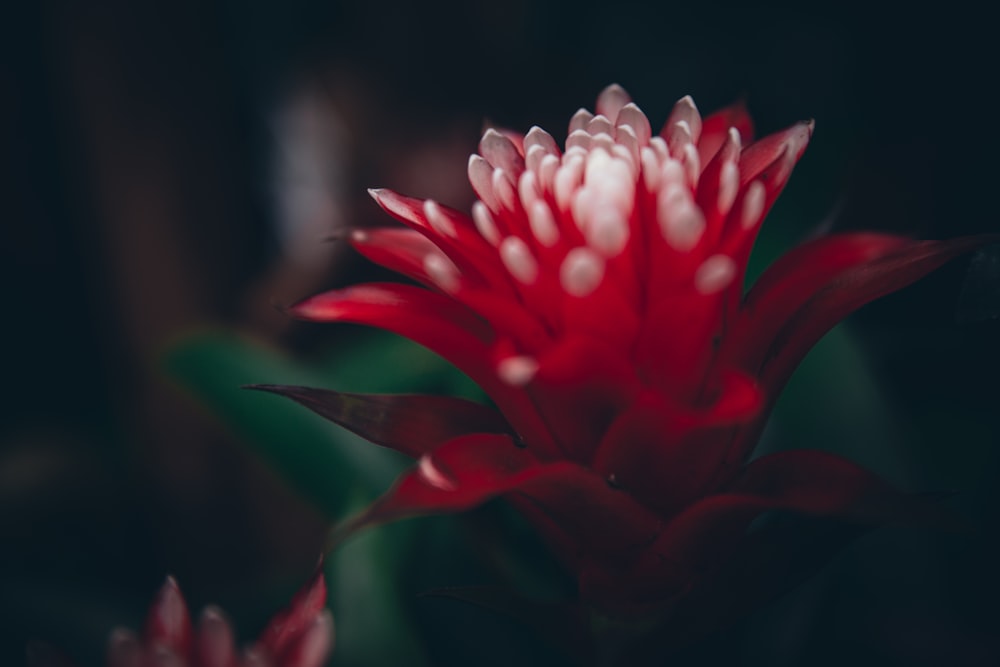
{"x": 411, "y": 424}
{"x": 397, "y": 249}
{"x": 704, "y": 534}
{"x": 805, "y": 294}
{"x": 470, "y": 470}
{"x": 806, "y": 481}
{"x": 790, "y": 283}
{"x": 852, "y": 289}
{"x": 460, "y": 474}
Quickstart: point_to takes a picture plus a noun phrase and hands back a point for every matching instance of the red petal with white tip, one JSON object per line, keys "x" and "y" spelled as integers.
{"x": 789, "y": 145}
{"x": 442, "y": 326}
{"x": 458, "y": 475}
{"x": 611, "y": 100}
{"x": 715, "y": 128}
{"x": 468, "y": 471}
{"x": 168, "y": 623}
{"x": 215, "y": 645}
{"x": 501, "y": 152}
{"x": 401, "y": 250}
{"x": 764, "y": 166}
{"x": 462, "y": 244}
{"x": 684, "y": 112}
{"x": 409, "y": 311}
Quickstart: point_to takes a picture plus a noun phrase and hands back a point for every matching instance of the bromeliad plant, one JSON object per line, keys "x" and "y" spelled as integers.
{"x": 596, "y": 294}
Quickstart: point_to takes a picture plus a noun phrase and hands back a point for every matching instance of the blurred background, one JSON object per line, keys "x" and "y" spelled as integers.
{"x": 175, "y": 171}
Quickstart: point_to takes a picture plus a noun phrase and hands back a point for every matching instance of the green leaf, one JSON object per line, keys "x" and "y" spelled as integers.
{"x": 373, "y": 626}
{"x": 321, "y": 460}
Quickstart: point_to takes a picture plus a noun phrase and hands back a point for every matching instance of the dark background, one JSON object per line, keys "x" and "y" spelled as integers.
{"x": 145, "y": 162}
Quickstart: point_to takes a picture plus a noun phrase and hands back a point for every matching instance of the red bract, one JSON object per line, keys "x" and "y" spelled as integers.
{"x": 299, "y": 636}
{"x": 596, "y": 294}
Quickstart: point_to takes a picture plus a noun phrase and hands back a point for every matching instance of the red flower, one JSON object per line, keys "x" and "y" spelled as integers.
{"x": 596, "y": 294}
{"x": 299, "y": 636}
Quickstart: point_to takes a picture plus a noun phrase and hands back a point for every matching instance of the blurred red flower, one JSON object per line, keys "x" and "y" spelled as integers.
{"x": 298, "y": 636}
{"x": 596, "y": 294}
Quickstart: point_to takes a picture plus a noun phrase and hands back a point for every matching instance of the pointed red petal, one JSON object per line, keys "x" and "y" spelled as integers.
{"x": 452, "y": 232}
{"x": 439, "y": 324}
{"x": 715, "y": 127}
{"x": 411, "y": 424}
{"x": 287, "y": 627}
{"x": 409, "y": 253}
{"x": 786, "y": 146}
{"x": 215, "y": 644}
{"x": 808, "y": 292}
{"x": 168, "y": 623}
{"x": 816, "y": 482}
{"x": 789, "y": 284}
{"x": 401, "y": 250}
{"x": 432, "y": 320}
{"x": 458, "y": 475}
{"x": 769, "y": 163}
{"x": 409, "y": 311}
{"x": 765, "y": 168}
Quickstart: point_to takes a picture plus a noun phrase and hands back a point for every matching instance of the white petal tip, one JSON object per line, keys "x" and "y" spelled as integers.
{"x": 715, "y": 274}
{"x": 517, "y": 257}
{"x": 433, "y": 475}
{"x": 517, "y": 371}
{"x": 581, "y": 272}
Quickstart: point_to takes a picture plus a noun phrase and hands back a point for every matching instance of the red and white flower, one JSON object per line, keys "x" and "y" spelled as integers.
{"x": 299, "y": 636}
{"x": 596, "y": 293}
